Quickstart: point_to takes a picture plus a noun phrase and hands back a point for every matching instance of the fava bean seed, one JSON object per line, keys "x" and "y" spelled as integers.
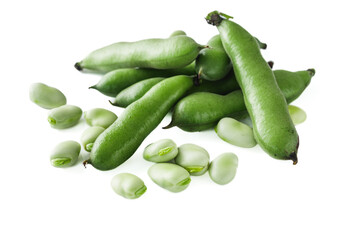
{"x": 128, "y": 185}
{"x": 65, "y": 154}
{"x": 297, "y": 114}
{"x": 89, "y": 136}
{"x": 64, "y": 116}
{"x": 169, "y": 176}
{"x": 100, "y": 117}
{"x": 235, "y": 133}
{"x": 163, "y": 150}
{"x": 222, "y": 169}
{"x": 193, "y": 158}
{"x": 45, "y": 96}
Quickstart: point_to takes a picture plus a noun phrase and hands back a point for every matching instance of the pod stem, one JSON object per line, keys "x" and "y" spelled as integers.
{"x": 197, "y": 80}
{"x": 78, "y": 66}
{"x": 113, "y": 103}
{"x": 216, "y": 17}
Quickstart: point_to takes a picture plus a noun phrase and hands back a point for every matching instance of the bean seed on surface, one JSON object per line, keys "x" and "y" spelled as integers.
{"x": 169, "y": 176}
{"x": 222, "y": 169}
{"x": 297, "y": 114}
{"x": 235, "y": 133}
{"x": 128, "y": 185}
{"x": 89, "y": 136}
{"x": 64, "y": 116}
{"x": 100, "y": 117}
{"x": 65, "y": 154}
{"x": 163, "y": 150}
{"x": 193, "y": 158}
{"x": 45, "y": 96}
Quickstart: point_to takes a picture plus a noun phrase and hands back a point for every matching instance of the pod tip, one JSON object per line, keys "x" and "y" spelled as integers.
{"x": 113, "y": 103}
{"x": 170, "y": 125}
{"x": 271, "y": 64}
{"x": 86, "y": 162}
{"x": 294, "y": 158}
{"x": 78, "y": 66}
{"x": 311, "y": 71}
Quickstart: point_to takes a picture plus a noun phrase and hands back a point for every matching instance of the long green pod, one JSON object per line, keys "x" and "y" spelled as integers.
{"x": 202, "y": 110}
{"x": 115, "y": 81}
{"x": 273, "y": 128}
{"x": 172, "y": 52}
{"x": 120, "y": 141}
{"x": 135, "y": 92}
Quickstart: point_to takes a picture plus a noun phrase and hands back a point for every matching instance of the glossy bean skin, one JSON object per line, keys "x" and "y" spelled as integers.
{"x": 169, "y": 176}
{"x": 223, "y": 169}
{"x": 162, "y": 150}
{"x": 193, "y": 158}
{"x": 213, "y": 64}
{"x": 235, "y": 133}
{"x": 100, "y": 117}
{"x": 273, "y": 128}
{"x": 115, "y": 81}
{"x": 64, "y": 116}
{"x": 128, "y": 185}
{"x": 45, "y": 96}
{"x": 65, "y": 154}
{"x": 168, "y": 53}
{"x": 89, "y": 136}
{"x": 134, "y": 92}
{"x": 202, "y": 110}
{"x": 120, "y": 141}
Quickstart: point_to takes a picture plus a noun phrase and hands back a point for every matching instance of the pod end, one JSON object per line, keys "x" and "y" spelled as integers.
{"x": 294, "y": 158}
{"x": 86, "y": 162}
{"x": 216, "y": 17}
{"x": 78, "y": 66}
{"x": 170, "y": 125}
{"x": 311, "y": 71}
{"x": 271, "y": 64}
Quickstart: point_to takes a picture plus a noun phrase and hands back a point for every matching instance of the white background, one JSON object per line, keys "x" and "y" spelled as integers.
{"x": 268, "y": 199}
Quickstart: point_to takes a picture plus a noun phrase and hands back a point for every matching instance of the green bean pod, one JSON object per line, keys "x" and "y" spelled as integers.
{"x": 202, "y": 110}
{"x": 115, "y": 81}
{"x": 273, "y": 128}
{"x": 134, "y": 92}
{"x": 120, "y": 141}
{"x": 64, "y": 116}
{"x": 45, "y": 96}
{"x": 168, "y": 53}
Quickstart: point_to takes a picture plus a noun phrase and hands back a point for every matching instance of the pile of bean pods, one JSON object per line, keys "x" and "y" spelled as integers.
{"x": 213, "y": 86}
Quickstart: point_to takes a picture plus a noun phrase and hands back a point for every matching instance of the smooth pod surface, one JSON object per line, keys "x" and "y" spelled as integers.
{"x": 65, "y": 154}
{"x": 45, "y": 96}
{"x": 89, "y": 136}
{"x": 169, "y": 176}
{"x": 115, "y": 81}
{"x": 297, "y": 114}
{"x": 174, "y": 52}
{"x": 274, "y": 130}
{"x": 193, "y": 158}
{"x": 235, "y": 133}
{"x": 201, "y": 111}
{"x": 213, "y": 64}
{"x": 100, "y": 117}
{"x": 120, "y": 141}
{"x": 223, "y": 169}
{"x": 64, "y": 116}
{"x": 128, "y": 185}
{"x": 162, "y": 150}
{"x": 135, "y": 91}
